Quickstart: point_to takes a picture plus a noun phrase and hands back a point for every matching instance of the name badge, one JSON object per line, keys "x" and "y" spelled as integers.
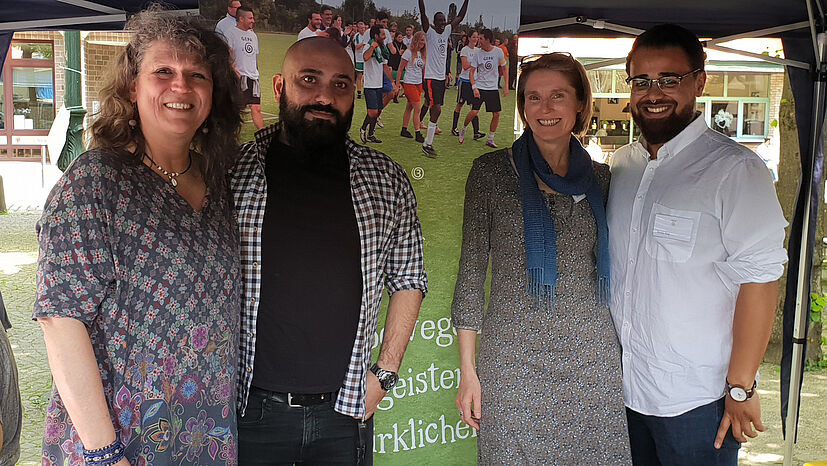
{"x": 672, "y": 227}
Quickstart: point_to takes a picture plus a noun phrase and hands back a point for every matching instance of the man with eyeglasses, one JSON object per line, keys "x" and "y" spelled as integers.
{"x": 696, "y": 239}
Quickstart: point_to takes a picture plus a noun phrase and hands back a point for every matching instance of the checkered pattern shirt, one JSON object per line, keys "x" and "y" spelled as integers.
{"x": 391, "y": 242}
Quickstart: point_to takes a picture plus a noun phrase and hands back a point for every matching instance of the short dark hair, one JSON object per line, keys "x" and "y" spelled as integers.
{"x": 573, "y": 71}
{"x": 375, "y": 30}
{"x": 671, "y": 35}
{"x": 381, "y": 14}
{"x": 326, "y": 8}
{"x": 241, "y": 10}
{"x": 488, "y": 34}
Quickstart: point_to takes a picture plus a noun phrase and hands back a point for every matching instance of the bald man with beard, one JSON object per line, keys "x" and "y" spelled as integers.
{"x": 325, "y": 225}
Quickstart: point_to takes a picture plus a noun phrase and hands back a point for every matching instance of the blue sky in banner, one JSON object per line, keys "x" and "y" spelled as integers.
{"x": 504, "y": 14}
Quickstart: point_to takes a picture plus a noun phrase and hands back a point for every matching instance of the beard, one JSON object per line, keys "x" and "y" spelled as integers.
{"x": 313, "y": 134}
{"x": 661, "y": 130}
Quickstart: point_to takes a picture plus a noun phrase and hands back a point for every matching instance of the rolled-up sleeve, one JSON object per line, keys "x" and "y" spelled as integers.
{"x": 467, "y": 309}
{"x": 752, "y": 225}
{"x": 405, "y": 267}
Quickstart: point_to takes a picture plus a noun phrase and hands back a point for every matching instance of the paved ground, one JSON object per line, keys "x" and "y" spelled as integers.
{"x": 17, "y": 271}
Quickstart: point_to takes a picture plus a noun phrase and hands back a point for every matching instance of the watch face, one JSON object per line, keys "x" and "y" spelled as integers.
{"x": 738, "y": 394}
{"x": 388, "y": 380}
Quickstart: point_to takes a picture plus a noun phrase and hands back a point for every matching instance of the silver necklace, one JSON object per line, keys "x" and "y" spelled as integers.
{"x": 171, "y": 175}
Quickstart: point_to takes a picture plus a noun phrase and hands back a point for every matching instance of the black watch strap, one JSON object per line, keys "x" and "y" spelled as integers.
{"x": 387, "y": 379}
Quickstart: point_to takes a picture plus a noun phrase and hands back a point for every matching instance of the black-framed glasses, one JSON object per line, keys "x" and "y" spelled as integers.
{"x": 667, "y": 84}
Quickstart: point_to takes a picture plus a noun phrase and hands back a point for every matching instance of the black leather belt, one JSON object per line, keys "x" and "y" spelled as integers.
{"x": 295, "y": 400}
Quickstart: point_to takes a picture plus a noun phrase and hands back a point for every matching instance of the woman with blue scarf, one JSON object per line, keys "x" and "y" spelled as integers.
{"x": 546, "y": 387}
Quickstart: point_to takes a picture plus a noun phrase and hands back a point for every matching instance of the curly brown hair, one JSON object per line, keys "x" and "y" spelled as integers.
{"x": 218, "y": 145}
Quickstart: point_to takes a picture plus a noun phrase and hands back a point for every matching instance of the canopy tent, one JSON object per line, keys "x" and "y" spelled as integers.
{"x": 72, "y": 15}
{"x": 801, "y": 26}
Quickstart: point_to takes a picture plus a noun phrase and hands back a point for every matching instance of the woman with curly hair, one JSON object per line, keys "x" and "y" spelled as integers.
{"x": 138, "y": 287}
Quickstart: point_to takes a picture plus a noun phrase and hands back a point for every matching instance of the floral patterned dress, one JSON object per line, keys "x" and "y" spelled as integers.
{"x": 157, "y": 285}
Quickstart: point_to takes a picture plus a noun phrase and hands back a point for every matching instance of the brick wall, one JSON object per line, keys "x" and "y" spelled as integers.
{"x": 100, "y": 61}
{"x": 101, "y": 49}
{"x": 776, "y": 88}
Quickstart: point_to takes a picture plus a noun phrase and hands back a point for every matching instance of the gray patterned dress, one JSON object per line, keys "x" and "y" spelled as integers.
{"x": 551, "y": 381}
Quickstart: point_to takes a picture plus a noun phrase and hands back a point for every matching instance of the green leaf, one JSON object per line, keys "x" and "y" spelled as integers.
{"x": 784, "y": 101}
{"x": 774, "y": 123}
{"x": 815, "y": 316}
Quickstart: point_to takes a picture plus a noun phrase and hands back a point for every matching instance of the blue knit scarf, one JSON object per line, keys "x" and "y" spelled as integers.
{"x": 540, "y": 235}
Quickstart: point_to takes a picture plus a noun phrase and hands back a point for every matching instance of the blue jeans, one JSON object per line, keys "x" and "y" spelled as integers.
{"x": 688, "y": 439}
{"x": 272, "y": 432}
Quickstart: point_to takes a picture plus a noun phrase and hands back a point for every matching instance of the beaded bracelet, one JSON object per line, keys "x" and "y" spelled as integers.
{"x": 107, "y": 455}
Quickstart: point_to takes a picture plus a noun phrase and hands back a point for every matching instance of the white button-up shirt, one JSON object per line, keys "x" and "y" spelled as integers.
{"x": 686, "y": 229}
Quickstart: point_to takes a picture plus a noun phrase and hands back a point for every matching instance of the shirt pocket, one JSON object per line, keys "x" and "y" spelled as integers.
{"x": 672, "y": 233}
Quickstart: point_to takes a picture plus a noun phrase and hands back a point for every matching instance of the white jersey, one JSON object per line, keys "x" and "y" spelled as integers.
{"x": 373, "y": 71}
{"x": 486, "y": 68}
{"x": 437, "y": 47}
{"x": 361, "y": 39}
{"x": 224, "y": 26}
{"x": 244, "y": 45}
{"x": 468, "y": 53}
{"x": 407, "y": 41}
{"x": 413, "y": 70}
{"x": 306, "y": 32}
{"x": 388, "y": 37}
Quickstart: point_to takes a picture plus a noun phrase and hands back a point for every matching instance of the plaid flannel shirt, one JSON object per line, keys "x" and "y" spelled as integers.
{"x": 390, "y": 237}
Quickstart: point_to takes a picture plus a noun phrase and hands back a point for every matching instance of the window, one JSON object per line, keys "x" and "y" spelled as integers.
{"x": 714, "y": 84}
{"x": 31, "y": 51}
{"x": 34, "y": 98}
{"x": 2, "y": 106}
{"x": 601, "y": 81}
{"x": 754, "y": 119}
{"x": 27, "y": 99}
{"x": 748, "y": 85}
{"x": 724, "y": 117}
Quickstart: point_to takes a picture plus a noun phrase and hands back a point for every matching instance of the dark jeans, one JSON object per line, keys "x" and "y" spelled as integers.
{"x": 688, "y": 439}
{"x": 273, "y": 433}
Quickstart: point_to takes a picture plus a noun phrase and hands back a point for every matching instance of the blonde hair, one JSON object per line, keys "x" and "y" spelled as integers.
{"x": 574, "y": 72}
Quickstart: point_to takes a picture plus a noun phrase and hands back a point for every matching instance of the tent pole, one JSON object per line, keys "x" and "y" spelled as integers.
{"x": 805, "y": 255}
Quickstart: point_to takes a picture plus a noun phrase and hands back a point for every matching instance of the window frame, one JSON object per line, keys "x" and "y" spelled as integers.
{"x": 8, "y": 100}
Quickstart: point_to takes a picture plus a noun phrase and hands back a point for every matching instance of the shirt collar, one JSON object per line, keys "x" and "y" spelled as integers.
{"x": 686, "y": 137}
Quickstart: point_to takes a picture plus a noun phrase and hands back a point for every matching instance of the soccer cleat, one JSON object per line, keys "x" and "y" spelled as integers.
{"x": 363, "y": 136}
{"x": 419, "y": 137}
{"x": 405, "y": 133}
{"x": 454, "y": 132}
{"x": 438, "y": 131}
{"x": 372, "y": 138}
{"x": 478, "y": 136}
{"x": 490, "y": 144}
{"x": 379, "y": 122}
{"x": 461, "y": 135}
{"x": 359, "y": 95}
{"x": 429, "y": 151}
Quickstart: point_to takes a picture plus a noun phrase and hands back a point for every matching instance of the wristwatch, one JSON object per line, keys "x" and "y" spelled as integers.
{"x": 387, "y": 379}
{"x": 739, "y": 393}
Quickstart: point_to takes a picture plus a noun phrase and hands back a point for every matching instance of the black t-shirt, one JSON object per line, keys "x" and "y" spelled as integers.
{"x": 311, "y": 275}
{"x": 395, "y": 58}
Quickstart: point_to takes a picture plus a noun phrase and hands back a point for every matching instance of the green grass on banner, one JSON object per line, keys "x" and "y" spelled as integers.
{"x": 440, "y": 186}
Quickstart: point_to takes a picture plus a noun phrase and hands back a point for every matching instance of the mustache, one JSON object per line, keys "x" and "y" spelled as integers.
{"x": 320, "y": 108}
